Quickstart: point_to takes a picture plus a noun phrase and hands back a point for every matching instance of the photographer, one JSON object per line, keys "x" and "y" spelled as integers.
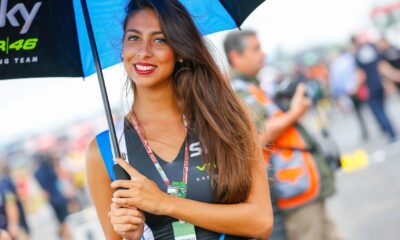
{"x": 302, "y": 179}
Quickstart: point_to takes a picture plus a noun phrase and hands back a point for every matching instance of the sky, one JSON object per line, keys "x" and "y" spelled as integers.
{"x": 32, "y": 105}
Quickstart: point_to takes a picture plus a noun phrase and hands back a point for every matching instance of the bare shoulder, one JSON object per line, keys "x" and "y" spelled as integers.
{"x": 95, "y": 166}
{"x": 93, "y": 155}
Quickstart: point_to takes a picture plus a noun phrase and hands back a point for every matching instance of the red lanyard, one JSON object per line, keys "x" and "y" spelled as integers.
{"x": 153, "y": 158}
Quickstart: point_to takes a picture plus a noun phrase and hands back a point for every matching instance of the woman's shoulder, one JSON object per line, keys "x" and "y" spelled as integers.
{"x": 93, "y": 155}
{"x": 98, "y": 142}
{"x": 96, "y": 161}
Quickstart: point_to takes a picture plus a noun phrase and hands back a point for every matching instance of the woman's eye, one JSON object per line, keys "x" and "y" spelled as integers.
{"x": 133, "y": 38}
{"x": 160, "y": 41}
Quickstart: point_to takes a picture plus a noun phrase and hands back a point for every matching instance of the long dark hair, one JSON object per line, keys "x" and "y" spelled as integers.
{"x": 214, "y": 112}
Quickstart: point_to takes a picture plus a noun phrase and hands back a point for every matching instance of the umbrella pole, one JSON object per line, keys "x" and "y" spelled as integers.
{"x": 103, "y": 90}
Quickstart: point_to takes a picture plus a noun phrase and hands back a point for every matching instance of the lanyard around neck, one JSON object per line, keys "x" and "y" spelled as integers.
{"x": 153, "y": 158}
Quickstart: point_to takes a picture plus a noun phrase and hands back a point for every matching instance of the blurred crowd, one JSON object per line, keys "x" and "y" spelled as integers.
{"x": 361, "y": 72}
{"x": 44, "y": 170}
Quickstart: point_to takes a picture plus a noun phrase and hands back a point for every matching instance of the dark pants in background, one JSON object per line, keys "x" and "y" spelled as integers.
{"x": 376, "y": 103}
{"x": 357, "y": 103}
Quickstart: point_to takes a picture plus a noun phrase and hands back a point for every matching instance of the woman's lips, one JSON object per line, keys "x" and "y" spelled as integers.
{"x": 144, "y": 68}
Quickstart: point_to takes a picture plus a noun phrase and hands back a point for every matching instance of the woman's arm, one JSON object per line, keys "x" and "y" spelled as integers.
{"x": 252, "y": 218}
{"x": 117, "y": 222}
{"x": 99, "y": 188}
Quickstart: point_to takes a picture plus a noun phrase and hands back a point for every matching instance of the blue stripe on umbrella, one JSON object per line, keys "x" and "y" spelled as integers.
{"x": 107, "y": 21}
{"x": 209, "y": 15}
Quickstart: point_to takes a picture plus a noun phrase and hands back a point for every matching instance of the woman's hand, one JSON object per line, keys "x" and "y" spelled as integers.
{"x": 139, "y": 192}
{"x": 127, "y": 222}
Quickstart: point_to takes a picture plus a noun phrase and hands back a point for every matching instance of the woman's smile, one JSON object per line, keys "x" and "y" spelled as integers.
{"x": 144, "y": 68}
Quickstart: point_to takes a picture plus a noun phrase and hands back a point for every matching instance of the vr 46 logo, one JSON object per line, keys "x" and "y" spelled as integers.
{"x": 21, "y": 44}
{"x": 10, "y": 15}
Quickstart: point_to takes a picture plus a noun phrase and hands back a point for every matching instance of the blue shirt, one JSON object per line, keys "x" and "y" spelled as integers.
{"x": 342, "y": 74}
{"x": 49, "y": 181}
{"x": 367, "y": 59}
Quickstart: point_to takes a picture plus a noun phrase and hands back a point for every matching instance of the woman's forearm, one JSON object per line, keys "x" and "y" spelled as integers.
{"x": 244, "y": 219}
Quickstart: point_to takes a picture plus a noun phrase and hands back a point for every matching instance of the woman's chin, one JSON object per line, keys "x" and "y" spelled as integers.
{"x": 148, "y": 83}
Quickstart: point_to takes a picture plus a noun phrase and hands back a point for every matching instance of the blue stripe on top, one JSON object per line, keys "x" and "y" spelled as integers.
{"x": 107, "y": 22}
{"x": 209, "y": 15}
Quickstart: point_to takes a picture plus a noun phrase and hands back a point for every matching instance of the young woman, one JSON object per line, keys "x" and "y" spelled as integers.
{"x": 195, "y": 168}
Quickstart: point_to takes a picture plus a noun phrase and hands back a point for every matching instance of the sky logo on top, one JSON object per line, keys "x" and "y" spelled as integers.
{"x": 11, "y": 13}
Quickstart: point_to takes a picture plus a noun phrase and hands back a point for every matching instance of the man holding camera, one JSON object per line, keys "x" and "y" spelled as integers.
{"x": 301, "y": 177}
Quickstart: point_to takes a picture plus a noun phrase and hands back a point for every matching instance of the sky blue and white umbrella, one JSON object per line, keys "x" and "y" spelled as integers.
{"x": 76, "y": 38}
{"x": 210, "y": 16}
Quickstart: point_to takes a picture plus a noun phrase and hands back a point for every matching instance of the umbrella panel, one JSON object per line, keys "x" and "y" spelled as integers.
{"x": 37, "y": 41}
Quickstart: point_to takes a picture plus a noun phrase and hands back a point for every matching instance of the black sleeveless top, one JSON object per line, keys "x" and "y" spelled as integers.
{"x": 199, "y": 182}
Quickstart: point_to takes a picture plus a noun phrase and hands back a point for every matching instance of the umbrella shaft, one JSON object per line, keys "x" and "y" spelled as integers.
{"x": 100, "y": 77}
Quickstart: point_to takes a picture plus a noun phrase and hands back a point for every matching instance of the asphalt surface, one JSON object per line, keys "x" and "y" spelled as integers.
{"x": 367, "y": 203}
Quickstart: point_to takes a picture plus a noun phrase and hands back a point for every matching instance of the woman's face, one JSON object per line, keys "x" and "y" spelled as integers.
{"x": 148, "y": 59}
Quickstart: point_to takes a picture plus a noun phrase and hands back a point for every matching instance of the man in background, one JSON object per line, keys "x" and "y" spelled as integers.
{"x": 346, "y": 81}
{"x": 370, "y": 63}
{"x": 303, "y": 206}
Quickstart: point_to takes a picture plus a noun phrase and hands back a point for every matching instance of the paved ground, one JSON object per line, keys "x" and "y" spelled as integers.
{"x": 367, "y": 204}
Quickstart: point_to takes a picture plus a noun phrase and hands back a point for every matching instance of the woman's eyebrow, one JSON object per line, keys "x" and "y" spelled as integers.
{"x": 139, "y": 32}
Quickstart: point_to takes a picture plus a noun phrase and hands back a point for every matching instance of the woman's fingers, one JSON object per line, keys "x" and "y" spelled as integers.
{"x": 132, "y": 201}
{"x": 133, "y": 173}
{"x": 123, "y": 228}
{"x": 122, "y": 184}
{"x": 138, "y": 192}
{"x": 125, "y": 193}
{"x": 137, "y": 183}
{"x": 127, "y": 220}
{"x": 117, "y": 212}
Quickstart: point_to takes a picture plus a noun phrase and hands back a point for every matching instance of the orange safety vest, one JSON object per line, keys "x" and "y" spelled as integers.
{"x": 296, "y": 176}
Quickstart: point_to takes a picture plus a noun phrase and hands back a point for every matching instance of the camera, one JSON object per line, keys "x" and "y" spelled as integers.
{"x": 286, "y": 89}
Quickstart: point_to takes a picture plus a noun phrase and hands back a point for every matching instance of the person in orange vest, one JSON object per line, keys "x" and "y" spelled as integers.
{"x": 301, "y": 176}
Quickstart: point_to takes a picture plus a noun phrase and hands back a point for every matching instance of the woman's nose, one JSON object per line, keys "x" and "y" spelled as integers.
{"x": 144, "y": 49}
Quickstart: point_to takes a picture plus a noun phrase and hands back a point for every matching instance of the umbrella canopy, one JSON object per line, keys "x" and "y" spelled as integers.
{"x": 76, "y": 38}
{"x": 51, "y": 40}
